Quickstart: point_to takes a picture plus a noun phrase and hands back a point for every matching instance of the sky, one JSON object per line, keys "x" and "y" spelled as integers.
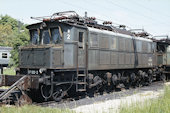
{"x": 151, "y": 15}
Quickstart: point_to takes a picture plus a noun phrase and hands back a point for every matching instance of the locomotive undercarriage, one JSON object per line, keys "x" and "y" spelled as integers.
{"x": 58, "y": 84}
{"x": 55, "y": 85}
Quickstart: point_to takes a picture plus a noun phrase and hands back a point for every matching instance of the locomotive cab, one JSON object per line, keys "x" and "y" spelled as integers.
{"x": 162, "y": 53}
{"x": 53, "y": 45}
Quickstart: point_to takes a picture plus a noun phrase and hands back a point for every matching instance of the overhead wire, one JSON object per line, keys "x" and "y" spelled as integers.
{"x": 151, "y": 10}
{"x": 94, "y": 11}
{"x": 151, "y": 19}
{"x": 118, "y": 5}
{"x": 137, "y": 13}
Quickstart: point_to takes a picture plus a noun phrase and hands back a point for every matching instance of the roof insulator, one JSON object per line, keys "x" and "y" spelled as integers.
{"x": 107, "y": 22}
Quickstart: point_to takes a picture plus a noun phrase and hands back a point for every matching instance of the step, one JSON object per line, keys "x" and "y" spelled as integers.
{"x": 81, "y": 90}
{"x": 81, "y": 75}
{"x": 82, "y": 83}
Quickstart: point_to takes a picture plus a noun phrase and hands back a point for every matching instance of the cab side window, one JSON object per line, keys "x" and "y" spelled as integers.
{"x": 81, "y": 37}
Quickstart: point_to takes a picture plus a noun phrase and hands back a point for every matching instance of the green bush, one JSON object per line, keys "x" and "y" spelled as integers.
{"x": 9, "y": 71}
{"x": 13, "y": 33}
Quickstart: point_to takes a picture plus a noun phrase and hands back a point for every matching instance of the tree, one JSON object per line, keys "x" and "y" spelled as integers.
{"x": 21, "y": 39}
{"x": 6, "y": 35}
{"x": 14, "y": 34}
{"x": 7, "y": 20}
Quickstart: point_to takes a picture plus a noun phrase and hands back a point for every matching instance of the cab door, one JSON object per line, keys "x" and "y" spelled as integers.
{"x": 82, "y": 47}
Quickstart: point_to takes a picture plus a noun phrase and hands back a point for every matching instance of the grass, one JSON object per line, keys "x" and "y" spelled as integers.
{"x": 9, "y": 71}
{"x": 160, "y": 105}
{"x": 32, "y": 109}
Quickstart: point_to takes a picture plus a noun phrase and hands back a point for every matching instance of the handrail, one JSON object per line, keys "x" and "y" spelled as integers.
{"x": 9, "y": 90}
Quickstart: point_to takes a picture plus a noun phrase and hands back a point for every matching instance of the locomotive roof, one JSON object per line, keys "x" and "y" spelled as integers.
{"x": 96, "y": 28}
{"x": 73, "y": 19}
{"x": 78, "y": 24}
{"x": 117, "y": 34}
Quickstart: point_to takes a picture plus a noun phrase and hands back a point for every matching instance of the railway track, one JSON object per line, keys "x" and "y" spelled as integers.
{"x": 75, "y": 102}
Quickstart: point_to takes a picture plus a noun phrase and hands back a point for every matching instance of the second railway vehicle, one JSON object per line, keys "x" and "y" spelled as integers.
{"x": 71, "y": 55}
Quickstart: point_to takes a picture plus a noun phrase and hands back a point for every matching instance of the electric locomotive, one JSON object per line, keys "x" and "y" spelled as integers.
{"x": 72, "y": 55}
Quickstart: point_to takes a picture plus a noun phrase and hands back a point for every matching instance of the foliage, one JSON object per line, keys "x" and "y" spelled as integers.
{"x": 21, "y": 39}
{"x": 160, "y": 105}
{"x": 9, "y": 71}
{"x": 7, "y": 20}
{"x": 6, "y": 35}
{"x": 14, "y": 34}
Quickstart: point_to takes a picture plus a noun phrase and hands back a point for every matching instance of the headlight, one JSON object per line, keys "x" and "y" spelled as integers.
{"x": 41, "y": 70}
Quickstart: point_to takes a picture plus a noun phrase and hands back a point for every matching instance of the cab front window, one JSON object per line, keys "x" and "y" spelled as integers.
{"x": 56, "y": 36}
{"x": 34, "y": 37}
{"x": 45, "y": 37}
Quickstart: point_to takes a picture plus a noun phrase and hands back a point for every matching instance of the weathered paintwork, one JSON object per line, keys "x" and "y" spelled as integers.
{"x": 101, "y": 49}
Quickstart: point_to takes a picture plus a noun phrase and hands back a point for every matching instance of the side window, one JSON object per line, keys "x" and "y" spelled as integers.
{"x": 56, "y": 37}
{"x": 139, "y": 46}
{"x": 4, "y": 55}
{"x": 93, "y": 40}
{"x": 34, "y": 37}
{"x": 80, "y": 36}
{"x": 128, "y": 44}
{"x": 104, "y": 42}
{"x": 113, "y": 43}
{"x": 121, "y": 44}
{"x": 45, "y": 37}
{"x": 144, "y": 46}
{"x": 149, "y": 47}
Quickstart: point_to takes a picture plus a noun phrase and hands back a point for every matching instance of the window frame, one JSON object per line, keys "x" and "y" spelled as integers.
{"x": 82, "y": 36}
{"x": 113, "y": 43}
{"x": 139, "y": 46}
{"x": 32, "y": 32}
{"x": 91, "y": 40}
{"x": 42, "y": 39}
{"x": 121, "y": 43}
{"x": 6, "y": 55}
{"x": 60, "y": 33}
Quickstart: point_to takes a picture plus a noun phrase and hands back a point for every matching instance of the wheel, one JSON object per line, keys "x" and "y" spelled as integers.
{"x": 163, "y": 77}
